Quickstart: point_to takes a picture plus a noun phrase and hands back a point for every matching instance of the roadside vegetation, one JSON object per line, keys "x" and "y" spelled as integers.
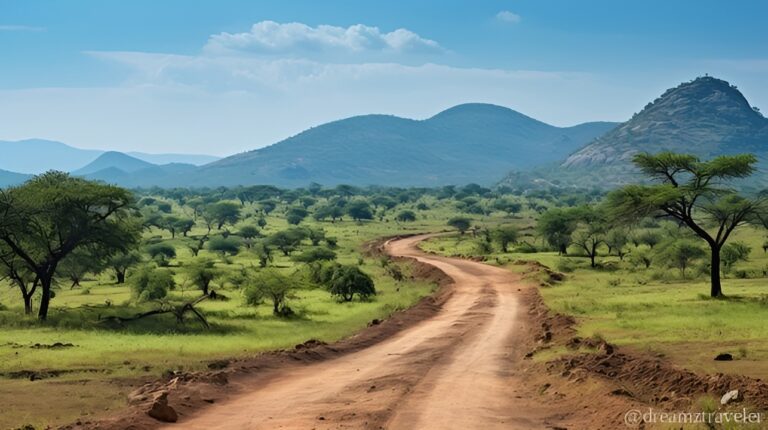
{"x": 103, "y": 288}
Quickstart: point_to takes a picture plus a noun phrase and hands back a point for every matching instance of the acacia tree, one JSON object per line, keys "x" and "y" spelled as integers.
{"x": 48, "y": 217}
{"x": 556, "y": 227}
{"x": 694, "y": 193}
{"x": 590, "y": 233}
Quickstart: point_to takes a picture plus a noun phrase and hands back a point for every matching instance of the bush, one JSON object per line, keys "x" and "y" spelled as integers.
{"x": 315, "y": 254}
{"x": 526, "y": 248}
{"x": 224, "y": 246}
{"x": 149, "y": 283}
{"x": 350, "y": 280}
{"x": 269, "y": 284}
{"x": 161, "y": 253}
{"x": 406, "y": 216}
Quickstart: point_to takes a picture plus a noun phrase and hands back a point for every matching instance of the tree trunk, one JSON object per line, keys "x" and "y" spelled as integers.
{"x": 27, "y": 304}
{"x": 120, "y": 276}
{"x": 715, "y": 289}
{"x": 45, "y": 299}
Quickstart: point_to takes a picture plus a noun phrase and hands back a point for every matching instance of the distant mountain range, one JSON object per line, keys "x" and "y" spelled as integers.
{"x": 467, "y": 143}
{"x": 705, "y": 117}
{"x": 35, "y": 156}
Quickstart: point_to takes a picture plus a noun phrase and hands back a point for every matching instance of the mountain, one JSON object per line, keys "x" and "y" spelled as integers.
{"x": 113, "y": 160}
{"x": 122, "y": 169}
{"x": 705, "y": 117}
{"x": 8, "y": 179}
{"x": 38, "y": 155}
{"x": 467, "y": 143}
{"x": 195, "y": 159}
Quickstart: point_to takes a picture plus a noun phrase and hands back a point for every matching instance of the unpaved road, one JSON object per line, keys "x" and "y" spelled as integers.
{"x": 454, "y": 371}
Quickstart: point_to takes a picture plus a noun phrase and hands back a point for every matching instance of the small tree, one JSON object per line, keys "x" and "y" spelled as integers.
{"x": 263, "y": 252}
{"x": 314, "y": 255}
{"x": 504, "y": 236}
{"x": 590, "y": 233}
{"x": 201, "y": 273}
{"x": 161, "y": 253}
{"x": 120, "y": 264}
{"x": 641, "y": 257}
{"x": 229, "y": 246}
{"x": 616, "y": 239}
{"x": 406, "y": 216}
{"x": 77, "y": 265}
{"x": 271, "y": 285}
{"x": 461, "y": 224}
{"x": 350, "y": 280}
{"x": 296, "y": 215}
{"x": 222, "y": 213}
{"x": 149, "y": 283}
{"x": 556, "y": 227}
{"x": 734, "y": 252}
{"x": 248, "y": 233}
{"x": 359, "y": 210}
{"x": 287, "y": 240}
{"x": 681, "y": 254}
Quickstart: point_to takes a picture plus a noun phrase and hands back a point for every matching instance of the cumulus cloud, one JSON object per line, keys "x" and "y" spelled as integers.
{"x": 269, "y": 37}
{"x": 508, "y": 17}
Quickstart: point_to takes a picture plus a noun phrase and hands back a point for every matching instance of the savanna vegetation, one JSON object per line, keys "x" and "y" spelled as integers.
{"x": 104, "y": 287}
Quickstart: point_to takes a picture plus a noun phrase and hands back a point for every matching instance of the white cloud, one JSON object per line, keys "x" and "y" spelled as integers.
{"x": 508, "y": 17}
{"x": 269, "y": 37}
{"x": 248, "y": 90}
{"x": 7, "y": 27}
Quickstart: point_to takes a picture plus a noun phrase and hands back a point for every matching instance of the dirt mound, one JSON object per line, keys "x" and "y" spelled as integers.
{"x": 536, "y": 270}
{"x": 647, "y": 379}
{"x": 657, "y": 382}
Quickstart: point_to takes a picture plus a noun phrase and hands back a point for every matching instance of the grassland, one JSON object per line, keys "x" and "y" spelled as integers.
{"x": 654, "y": 310}
{"x": 105, "y": 361}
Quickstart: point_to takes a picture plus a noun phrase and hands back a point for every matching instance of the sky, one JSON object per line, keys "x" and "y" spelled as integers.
{"x": 226, "y": 76}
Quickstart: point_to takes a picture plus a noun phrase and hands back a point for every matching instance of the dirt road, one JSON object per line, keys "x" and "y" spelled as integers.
{"x": 454, "y": 371}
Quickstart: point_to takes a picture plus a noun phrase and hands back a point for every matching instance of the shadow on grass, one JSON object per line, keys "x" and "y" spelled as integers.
{"x": 98, "y": 318}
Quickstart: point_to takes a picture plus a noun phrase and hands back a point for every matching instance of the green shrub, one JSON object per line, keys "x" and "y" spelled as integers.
{"x": 149, "y": 283}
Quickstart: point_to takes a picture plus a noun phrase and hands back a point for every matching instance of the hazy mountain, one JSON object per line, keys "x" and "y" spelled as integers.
{"x": 12, "y": 178}
{"x": 113, "y": 160}
{"x": 195, "y": 159}
{"x": 467, "y": 143}
{"x": 705, "y": 117}
{"x": 39, "y": 155}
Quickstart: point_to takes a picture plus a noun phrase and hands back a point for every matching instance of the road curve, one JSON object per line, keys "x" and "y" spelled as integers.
{"x": 453, "y": 371}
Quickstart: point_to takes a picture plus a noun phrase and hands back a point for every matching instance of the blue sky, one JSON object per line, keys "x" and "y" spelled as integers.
{"x": 226, "y": 76}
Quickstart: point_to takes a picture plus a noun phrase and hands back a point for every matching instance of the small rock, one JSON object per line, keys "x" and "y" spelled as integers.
{"x": 724, "y": 357}
{"x": 729, "y": 397}
{"x": 161, "y": 411}
{"x": 621, "y": 392}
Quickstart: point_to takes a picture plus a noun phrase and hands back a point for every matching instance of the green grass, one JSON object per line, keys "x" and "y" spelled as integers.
{"x": 655, "y": 310}
{"x": 109, "y": 360}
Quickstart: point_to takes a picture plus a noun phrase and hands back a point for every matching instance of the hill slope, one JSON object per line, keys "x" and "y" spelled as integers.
{"x": 706, "y": 117}
{"x": 467, "y": 143}
{"x": 8, "y": 179}
{"x": 38, "y": 155}
{"x": 113, "y": 160}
